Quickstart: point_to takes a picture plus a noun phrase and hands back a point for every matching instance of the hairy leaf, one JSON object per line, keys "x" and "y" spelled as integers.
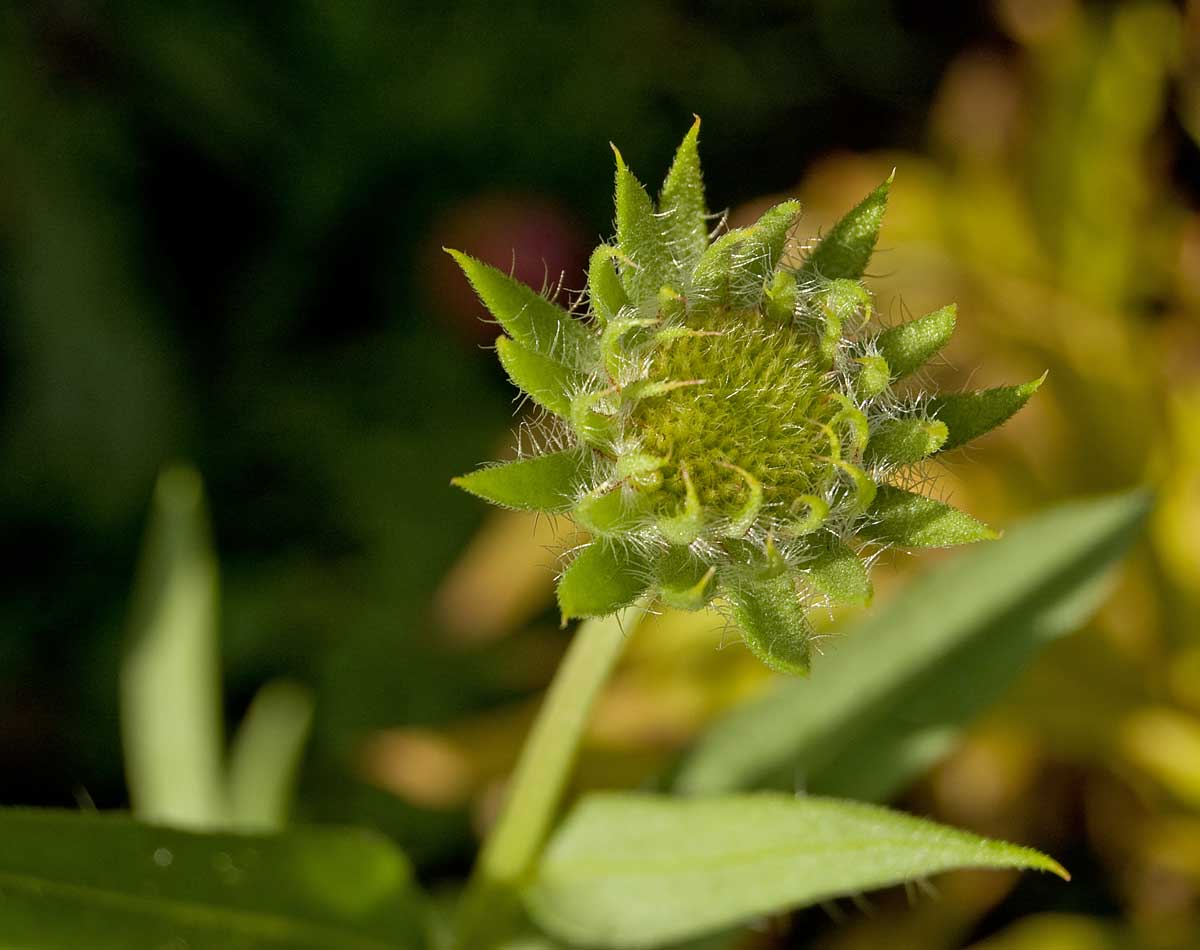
{"x": 838, "y": 573}
{"x": 541, "y": 483}
{"x": 528, "y": 317}
{"x": 755, "y": 258}
{"x": 773, "y": 622}
{"x": 713, "y": 275}
{"x": 633, "y": 870}
{"x": 907, "y": 440}
{"x": 602, "y": 579}
{"x": 105, "y": 882}
{"x": 604, "y": 284}
{"x": 890, "y": 697}
{"x": 846, "y": 249}
{"x": 682, "y": 207}
{"x": 969, "y": 415}
{"x": 647, "y": 260}
{"x": 909, "y": 520}
{"x": 548, "y": 382}
{"x": 908, "y": 346}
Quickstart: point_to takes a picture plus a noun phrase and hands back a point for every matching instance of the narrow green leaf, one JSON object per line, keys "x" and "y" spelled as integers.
{"x": 682, "y": 207}
{"x": 604, "y": 284}
{"x": 605, "y": 513}
{"x": 738, "y": 265}
{"x": 906, "y": 440}
{"x": 629, "y": 870}
{"x": 541, "y": 483}
{"x": 105, "y": 882}
{"x": 773, "y": 622}
{"x": 839, "y": 574}
{"x": 874, "y": 376}
{"x": 890, "y": 698}
{"x": 264, "y": 758}
{"x": 528, "y": 317}
{"x": 754, "y": 259}
{"x": 714, "y": 274}
{"x": 602, "y": 579}
{"x": 171, "y": 723}
{"x": 970, "y": 415}
{"x": 685, "y": 582}
{"x": 548, "y": 382}
{"x": 909, "y": 520}
{"x": 847, "y": 248}
{"x": 640, "y": 238}
{"x": 908, "y": 346}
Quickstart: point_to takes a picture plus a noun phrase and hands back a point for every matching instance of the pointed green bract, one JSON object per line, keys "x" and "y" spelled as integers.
{"x": 681, "y": 207}
{"x": 527, "y": 316}
{"x": 874, "y": 376}
{"x": 838, "y": 573}
{"x": 604, "y": 284}
{"x": 774, "y": 623}
{"x": 713, "y": 275}
{"x": 969, "y": 415}
{"x": 906, "y": 440}
{"x": 847, "y": 248}
{"x": 548, "y": 482}
{"x": 607, "y": 513}
{"x": 684, "y": 581}
{"x": 906, "y": 519}
{"x": 602, "y": 579}
{"x": 548, "y": 382}
{"x": 755, "y": 259}
{"x": 647, "y": 263}
{"x": 910, "y": 345}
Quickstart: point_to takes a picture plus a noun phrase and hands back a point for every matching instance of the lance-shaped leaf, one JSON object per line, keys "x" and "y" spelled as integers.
{"x": 908, "y": 346}
{"x": 629, "y": 870}
{"x": 969, "y": 415}
{"x": 754, "y": 259}
{"x": 607, "y": 512}
{"x": 890, "y": 699}
{"x": 528, "y": 317}
{"x": 773, "y": 622}
{"x": 548, "y": 382}
{"x": 909, "y": 520}
{"x": 839, "y": 574}
{"x": 714, "y": 273}
{"x": 171, "y": 719}
{"x": 648, "y": 265}
{"x": 602, "y": 579}
{"x": 907, "y": 440}
{"x": 264, "y": 757}
{"x": 682, "y": 207}
{"x": 542, "y": 483}
{"x": 604, "y": 284}
{"x": 846, "y": 249}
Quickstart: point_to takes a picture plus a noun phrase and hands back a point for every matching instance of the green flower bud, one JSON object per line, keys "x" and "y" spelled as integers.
{"x": 728, "y": 426}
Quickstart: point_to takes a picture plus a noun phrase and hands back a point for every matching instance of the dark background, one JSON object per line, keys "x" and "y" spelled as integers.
{"x": 220, "y": 227}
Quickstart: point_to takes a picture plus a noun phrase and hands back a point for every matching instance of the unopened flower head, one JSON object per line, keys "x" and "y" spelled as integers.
{"x": 727, "y": 421}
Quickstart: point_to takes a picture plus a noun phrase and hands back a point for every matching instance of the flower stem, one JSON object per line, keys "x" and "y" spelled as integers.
{"x": 491, "y": 904}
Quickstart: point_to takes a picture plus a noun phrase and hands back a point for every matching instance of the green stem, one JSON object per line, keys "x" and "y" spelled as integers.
{"x": 491, "y": 905}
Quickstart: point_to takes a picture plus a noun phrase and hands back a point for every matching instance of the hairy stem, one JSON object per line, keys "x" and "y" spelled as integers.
{"x": 491, "y": 904}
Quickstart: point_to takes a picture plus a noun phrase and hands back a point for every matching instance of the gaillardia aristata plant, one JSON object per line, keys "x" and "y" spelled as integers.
{"x": 723, "y": 419}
